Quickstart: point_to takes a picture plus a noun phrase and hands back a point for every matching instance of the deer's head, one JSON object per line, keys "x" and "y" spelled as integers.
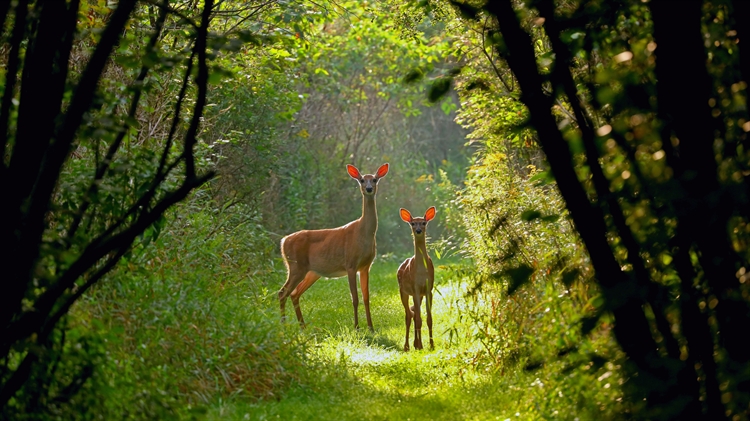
{"x": 368, "y": 183}
{"x": 418, "y": 225}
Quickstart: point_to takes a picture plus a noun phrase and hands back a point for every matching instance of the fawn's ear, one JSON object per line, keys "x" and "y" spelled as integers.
{"x": 430, "y": 214}
{"x": 382, "y": 171}
{"x": 353, "y": 172}
{"x": 405, "y": 215}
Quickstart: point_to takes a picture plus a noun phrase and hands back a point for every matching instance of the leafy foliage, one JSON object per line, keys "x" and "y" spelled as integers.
{"x": 190, "y": 318}
{"x": 649, "y": 169}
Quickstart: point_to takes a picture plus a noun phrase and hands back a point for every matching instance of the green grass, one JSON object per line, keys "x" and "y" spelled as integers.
{"x": 355, "y": 374}
{"x": 192, "y": 329}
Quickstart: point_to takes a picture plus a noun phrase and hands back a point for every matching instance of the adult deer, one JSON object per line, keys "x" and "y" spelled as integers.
{"x": 416, "y": 275}
{"x": 332, "y": 253}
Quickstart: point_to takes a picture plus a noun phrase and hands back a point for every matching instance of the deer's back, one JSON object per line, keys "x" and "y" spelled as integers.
{"x": 329, "y": 252}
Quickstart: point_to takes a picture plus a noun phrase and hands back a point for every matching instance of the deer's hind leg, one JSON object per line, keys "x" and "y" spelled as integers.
{"x": 295, "y": 275}
{"x": 297, "y": 292}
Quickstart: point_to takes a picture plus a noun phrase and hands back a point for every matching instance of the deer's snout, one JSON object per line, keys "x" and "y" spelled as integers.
{"x": 418, "y": 230}
{"x": 369, "y": 189}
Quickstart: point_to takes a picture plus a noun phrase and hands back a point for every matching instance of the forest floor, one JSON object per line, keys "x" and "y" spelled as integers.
{"x": 354, "y": 374}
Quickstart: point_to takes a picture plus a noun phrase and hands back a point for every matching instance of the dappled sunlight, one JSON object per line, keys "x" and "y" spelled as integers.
{"x": 370, "y": 355}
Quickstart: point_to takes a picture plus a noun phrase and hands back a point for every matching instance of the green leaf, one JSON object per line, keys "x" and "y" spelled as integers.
{"x": 542, "y": 178}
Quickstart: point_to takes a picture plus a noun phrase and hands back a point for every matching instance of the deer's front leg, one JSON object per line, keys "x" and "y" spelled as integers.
{"x": 407, "y": 318}
{"x": 364, "y": 278}
{"x": 417, "y": 321}
{"x": 429, "y": 317}
{"x": 352, "y": 274}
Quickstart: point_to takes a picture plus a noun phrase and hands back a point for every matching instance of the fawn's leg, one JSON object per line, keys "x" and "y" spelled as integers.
{"x": 407, "y": 319}
{"x": 417, "y": 321}
{"x": 429, "y": 317}
{"x": 364, "y": 278}
{"x": 306, "y": 283}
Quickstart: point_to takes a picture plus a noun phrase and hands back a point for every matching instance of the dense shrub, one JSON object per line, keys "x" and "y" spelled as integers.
{"x": 186, "y": 316}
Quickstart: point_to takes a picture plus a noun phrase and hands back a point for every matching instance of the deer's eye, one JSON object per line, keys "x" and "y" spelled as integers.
{"x": 362, "y": 180}
{"x": 374, "y": 180}
{"x": 412, "y": 224}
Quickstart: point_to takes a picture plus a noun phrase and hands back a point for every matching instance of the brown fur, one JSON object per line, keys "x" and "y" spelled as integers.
{"x": 332, "y": 253}
{"x": 416, "y": 276}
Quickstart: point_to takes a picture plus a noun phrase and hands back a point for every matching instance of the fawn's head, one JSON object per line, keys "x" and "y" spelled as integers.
{"x": 368, "y": 183}
{"x": 418, "y": 225}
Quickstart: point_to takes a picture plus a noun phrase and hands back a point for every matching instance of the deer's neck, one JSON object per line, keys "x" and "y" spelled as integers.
{"x": 420, "y": 252}
{"x": 369, "y": 215}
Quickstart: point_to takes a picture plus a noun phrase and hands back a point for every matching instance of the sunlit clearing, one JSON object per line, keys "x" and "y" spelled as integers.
{"x": 369, "y": 355}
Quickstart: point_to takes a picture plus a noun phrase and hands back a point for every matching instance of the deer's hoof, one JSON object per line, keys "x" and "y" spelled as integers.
{"x": 406, "y": 348}
{"x": 432, "y": 345}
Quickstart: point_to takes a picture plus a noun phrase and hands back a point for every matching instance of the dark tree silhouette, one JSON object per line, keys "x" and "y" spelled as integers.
{"x": 45, "y": 112}
{"x": 681, "y": 321}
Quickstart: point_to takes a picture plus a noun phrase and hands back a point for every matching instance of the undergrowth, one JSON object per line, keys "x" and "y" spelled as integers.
{"x": 187, "y": 318}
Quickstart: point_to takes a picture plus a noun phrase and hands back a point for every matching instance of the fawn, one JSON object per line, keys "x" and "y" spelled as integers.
{"x": 332, "y": 253}
{"x": 416, "y": 276}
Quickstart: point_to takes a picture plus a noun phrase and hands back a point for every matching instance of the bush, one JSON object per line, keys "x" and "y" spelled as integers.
{"x": 529, "y": 298}
{"x": 188, "y": 316}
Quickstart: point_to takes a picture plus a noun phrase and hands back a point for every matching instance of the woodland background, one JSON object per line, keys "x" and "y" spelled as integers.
{"x": 588, "y": 160}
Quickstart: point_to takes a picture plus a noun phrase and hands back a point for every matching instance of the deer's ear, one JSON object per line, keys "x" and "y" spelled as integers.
{"x": 382, "y": 171}
{"x": 430, "y": 214}
{"x": 353, "y": 172}
{"x": 405, "y": 215}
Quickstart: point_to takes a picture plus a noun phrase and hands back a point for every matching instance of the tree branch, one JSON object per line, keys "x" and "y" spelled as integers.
{"x": 115, "y": 146}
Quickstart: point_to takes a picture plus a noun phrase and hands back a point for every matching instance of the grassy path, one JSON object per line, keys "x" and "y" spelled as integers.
{"x": 353, "y": 374}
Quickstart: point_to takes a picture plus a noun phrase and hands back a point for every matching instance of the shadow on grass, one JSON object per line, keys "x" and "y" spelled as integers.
{"x": 341, "y": 391}
{"x": 382, "y": 341}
